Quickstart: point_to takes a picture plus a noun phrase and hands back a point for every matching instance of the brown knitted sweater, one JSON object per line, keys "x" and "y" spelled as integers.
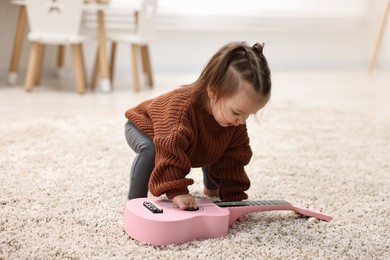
{"x": 187, "y": 136}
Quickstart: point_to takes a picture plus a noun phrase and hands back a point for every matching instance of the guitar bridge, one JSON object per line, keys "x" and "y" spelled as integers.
{"x": 152, "y": 207}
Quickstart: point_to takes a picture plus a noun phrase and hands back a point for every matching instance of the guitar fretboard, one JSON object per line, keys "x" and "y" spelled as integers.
{"x": 250, "y": 203}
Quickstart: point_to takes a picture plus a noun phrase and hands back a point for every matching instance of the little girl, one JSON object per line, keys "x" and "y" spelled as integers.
{"x": 200, "y": 125}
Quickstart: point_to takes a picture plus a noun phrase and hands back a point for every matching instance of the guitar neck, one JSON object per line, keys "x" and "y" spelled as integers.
{"x": 239, "y": 208}
{"x": 252, "y": 204}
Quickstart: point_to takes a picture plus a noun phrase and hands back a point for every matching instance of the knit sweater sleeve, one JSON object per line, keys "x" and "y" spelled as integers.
{"x": 172, "y": 136}
{"x": 229, "y": 172}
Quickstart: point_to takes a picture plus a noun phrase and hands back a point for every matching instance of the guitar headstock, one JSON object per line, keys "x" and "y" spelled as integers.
{"x": 311, "y": 213}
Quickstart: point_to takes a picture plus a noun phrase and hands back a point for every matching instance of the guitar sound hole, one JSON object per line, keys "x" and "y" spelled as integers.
{"x": 198, "y": 209}
{"x": 192, "y": 209}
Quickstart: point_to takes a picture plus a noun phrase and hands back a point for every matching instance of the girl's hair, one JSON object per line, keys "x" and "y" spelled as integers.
{"x": 234, "y": 62}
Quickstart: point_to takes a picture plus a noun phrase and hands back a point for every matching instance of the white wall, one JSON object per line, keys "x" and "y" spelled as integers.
{"x": 287, "y": 48}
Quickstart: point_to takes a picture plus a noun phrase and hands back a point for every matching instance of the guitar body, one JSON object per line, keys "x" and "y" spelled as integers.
{"x": 174, "y": 225}
{"x": 162, "y": 223}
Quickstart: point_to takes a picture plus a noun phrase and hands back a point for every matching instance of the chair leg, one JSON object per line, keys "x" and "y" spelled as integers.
{"x": 33, "y": 58}
{"x": 147, "y": 64}
{"x": 60, "y": 60}
{"x": 112, "y": 61}
{"x": 83, "y": 67}
{"x": 17, "y": 48}
{"x": 95, "y": 71}
{"x": 39, "y": 69}
{"x": 78, "y": 62}
{"x": 144, "y": 59}
{"x": 134, "y": 50}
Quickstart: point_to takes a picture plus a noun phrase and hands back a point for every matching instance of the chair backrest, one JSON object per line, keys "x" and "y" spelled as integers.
{"x": 146, "y": 19}
{"x": 61, "y": 18}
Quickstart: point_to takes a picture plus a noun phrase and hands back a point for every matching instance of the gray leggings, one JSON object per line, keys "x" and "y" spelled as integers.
{"x": 143, "y": 163}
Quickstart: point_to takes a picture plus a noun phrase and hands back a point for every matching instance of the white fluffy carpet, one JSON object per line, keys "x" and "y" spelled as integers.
{"x": 64, "y": 182}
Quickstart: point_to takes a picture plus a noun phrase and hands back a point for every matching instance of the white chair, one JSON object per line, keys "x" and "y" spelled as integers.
{"x": 138, "y": 36}
{"x": 56, "y": 23}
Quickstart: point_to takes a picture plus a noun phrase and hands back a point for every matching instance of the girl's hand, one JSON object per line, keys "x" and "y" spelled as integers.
{"x": 185, "y": 201}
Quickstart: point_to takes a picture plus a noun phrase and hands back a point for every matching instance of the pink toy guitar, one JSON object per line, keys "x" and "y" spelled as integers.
{"x": 159, "y": 222}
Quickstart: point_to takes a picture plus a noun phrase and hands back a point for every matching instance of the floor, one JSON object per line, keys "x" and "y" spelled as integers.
{"x": 354, "y": 90}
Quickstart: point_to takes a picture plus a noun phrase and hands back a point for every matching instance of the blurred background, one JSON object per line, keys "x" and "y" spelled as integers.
{"x": 323, "y": 138}
{"x": 312, "y": 46}
{"x": 299, "y": 34}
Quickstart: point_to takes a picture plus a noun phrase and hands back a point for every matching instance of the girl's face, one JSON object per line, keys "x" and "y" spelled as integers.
{"x": 234, "y": 110}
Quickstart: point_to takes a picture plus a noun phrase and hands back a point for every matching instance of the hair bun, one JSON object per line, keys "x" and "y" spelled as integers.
{"x": 258, "y": 48}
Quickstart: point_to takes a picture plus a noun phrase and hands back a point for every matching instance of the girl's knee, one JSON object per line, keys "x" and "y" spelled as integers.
{"x": 148, "y": 148}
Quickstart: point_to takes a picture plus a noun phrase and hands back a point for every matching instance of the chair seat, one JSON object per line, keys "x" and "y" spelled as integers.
{"x": 129, "y": 38}
{"x": 138, "y": 34}
{"x": 56, "y": 39}
{"x": 54, "y": 23}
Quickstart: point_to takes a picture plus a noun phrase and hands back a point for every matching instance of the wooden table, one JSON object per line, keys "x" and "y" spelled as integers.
{"x": 97, "y": 5}
{"x": 105, "y": 82}
{"x": 379, "y": 38}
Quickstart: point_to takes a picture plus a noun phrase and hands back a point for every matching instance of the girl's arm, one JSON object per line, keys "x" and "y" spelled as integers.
{"x": 229, "y": 172}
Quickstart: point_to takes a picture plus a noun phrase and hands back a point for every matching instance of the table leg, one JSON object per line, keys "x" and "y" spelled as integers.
{"x": 112, "y": 60}
{"x": 105, "y": 83}
{"x": 134, "y": 56}
{"x": 18, "y": 44}
{"x": 379, "y": 38}
{"x": 95, "y": 71}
